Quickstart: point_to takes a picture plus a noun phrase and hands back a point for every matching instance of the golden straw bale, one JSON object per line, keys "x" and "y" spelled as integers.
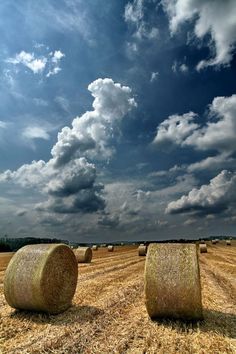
{"x": 41, "y": 277}
{"x": 110, "y": 248}
{"x": 95, "y": 247}
{"x": 142, "y": 250}
{"x": 228, "y": 242}
{"x": 203, "y": 248}
{"x": 83, "y": 254}
{"x": 172, "y": 281}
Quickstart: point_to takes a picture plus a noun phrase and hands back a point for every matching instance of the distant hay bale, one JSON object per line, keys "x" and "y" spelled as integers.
{"x": 142, "y": 250}
{"x": 217, "y": 240}
{"x": 203, "y": 248}
{"x": 172, "y": 281}
{"x": 213, "y": 242}
{"x": 41, "y": 277}
{"x": 228, "y": 242}
{"x": 110, "y": 248}
{"x": 83, "y": 254}
{"x": 202, "y": 242}
{"x": 95, "y": 247}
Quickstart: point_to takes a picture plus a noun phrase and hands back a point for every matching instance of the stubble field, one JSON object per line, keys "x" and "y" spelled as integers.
{"x": 109, "y": 316}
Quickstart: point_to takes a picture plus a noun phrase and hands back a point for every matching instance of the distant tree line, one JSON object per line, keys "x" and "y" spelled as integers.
{"x": 13, "y": 244}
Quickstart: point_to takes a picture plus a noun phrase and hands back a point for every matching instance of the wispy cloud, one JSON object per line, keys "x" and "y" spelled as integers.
{"x": 48, "y": 63}
{"x": 37, "y": 65}
{"x": 35, "y": 132}
{"x": 3, "y": 125}
{"x": 154, "y": 76}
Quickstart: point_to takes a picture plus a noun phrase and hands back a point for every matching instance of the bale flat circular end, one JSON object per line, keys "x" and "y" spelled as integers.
{"x": 203, "y": 248}
{"x": 142, "y": 250}
{"x": 110, "y": 248}
{"x": 83, "y": 254}
{"x": 41, "y": 277}
{"x": 172, "y": 282}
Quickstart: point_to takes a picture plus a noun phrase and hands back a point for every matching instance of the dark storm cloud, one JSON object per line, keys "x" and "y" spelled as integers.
{"x": 109, "y": 221}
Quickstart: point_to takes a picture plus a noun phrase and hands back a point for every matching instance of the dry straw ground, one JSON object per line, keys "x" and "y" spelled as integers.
{"x": 109, "y": 315}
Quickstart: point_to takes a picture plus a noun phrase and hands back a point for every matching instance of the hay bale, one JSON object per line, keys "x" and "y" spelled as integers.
{"x": 95, "y": 247}
{"x": 142, "y": 250}
{"x": 83, "y": 254}
{"x": 110, "y": 248}
{"x": 41, "y": 277}
{"x": 228, "y": 242}
{"x": 172, "y": 281}
{"x": 203, "y": 248}
{"x": 213, "y": 242}
{"x": 202, "y": 242}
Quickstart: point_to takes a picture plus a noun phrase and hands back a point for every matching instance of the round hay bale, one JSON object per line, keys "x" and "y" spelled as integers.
{"x": 142, "y": 250}
{"x": 213, "y": 242}
{"x": 95, "y": 247}
{"x": 110, "y": 248}
{"x": 83, "y": 254}
{"x": 172, "y": 281}
{"x": 202, "y": 242}
{"x": 41, "y": 277}
{"x": 228, "y": 242}
{"x": 203, "y": 248}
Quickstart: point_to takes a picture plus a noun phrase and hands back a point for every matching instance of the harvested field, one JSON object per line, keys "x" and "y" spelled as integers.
{"x": 109, "y": 314}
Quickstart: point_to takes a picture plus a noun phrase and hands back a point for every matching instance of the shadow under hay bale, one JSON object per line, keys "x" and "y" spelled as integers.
{"x": 83, "y": 254}
{"x": 172, "y": 282}
{"x": 203, "y": 248}
{"x": 41, "y": 277}
{"x": 212, "y": 323}
{"x": 78, "y": 314}
{"x": 142, "y": 250}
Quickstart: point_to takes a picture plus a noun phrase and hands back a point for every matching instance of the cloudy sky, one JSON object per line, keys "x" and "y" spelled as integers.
{"x": 117, "y": 119}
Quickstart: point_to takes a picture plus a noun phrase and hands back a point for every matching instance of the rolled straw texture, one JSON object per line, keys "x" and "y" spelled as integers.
{"x": 203, "y": 248}
{"x": 172, "y": 282}
{"x": 41, "y": 277}
{"x": 83, "y": 254}
{"x": 142, "y": 250}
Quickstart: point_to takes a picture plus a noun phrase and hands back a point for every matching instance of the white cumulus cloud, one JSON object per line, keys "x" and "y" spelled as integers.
{"x": 214, "y": 18}
{"x": 212, "y": 198}
{"x": 68, "y": 180}
{"x": 92, "y": 133}
{"x": 218, "y": 133}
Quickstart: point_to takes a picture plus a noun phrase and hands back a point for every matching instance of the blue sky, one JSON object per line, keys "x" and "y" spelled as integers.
{"x": 117, "y": 119}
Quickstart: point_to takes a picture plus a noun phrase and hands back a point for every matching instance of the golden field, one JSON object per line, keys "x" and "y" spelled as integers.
{"x": 109, "y": 316}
